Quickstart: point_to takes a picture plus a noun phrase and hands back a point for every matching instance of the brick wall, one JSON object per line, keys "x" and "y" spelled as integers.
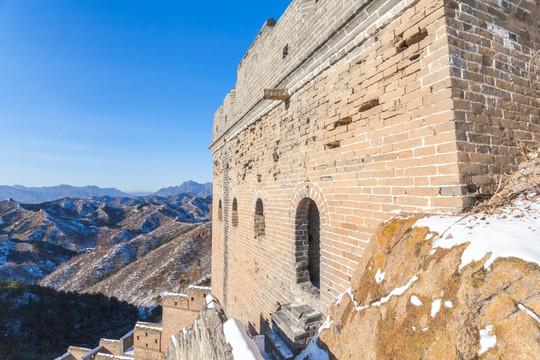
{"x": 179, "y": 311}
{"x": 111, "y": 346}
{"x": 491, "y": 43}
{"x": 78, "y": 352}
{"x": 373, "y": 126}
{"x": 147, "y": 341}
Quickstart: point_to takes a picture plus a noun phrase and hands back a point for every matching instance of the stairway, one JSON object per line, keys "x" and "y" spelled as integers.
{"x": 293, "y": 327}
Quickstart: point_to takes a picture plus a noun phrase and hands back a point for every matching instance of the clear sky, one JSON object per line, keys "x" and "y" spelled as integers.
{"x": 117, "y": 93}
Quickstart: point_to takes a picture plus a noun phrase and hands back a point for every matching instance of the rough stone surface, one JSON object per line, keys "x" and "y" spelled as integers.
{"x": 205, "y": 340}
{"x": 402, "y": 329}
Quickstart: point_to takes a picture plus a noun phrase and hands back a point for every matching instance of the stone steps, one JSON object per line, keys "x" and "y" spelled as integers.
{"x": 295, "y": 325}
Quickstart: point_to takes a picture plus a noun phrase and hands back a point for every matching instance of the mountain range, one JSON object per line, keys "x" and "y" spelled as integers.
{"x": 34, "y": 195}
{"x": 84, "y": 244}
{"x": 187, "y": 187}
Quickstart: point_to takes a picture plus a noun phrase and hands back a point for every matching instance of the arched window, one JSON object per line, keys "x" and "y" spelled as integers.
{"x": 308, "y": 243}
{"x": 234, "y": 215}
{"x": 220, "y": 210}
{"x": 259, "y": 219}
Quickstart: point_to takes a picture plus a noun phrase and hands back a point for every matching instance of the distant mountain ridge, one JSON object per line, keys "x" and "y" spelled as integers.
{"x": 187, "y": 187}
{"x": 34, "y": 195}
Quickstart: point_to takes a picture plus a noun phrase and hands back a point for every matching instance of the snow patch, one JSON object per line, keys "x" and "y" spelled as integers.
{"x": 396, "y": 292}
{"x": 488, "y": 340}
{"x": 529, "y": 312}
{"x": 313, "y": 351}
{"x": 448, "y": 304}
{"x": 243, "y": 347}
{"x": 514, "y": 232}
{"x": 212, "y": 303}
{"x": 415, "y": 301}
{"x": 379, "y": 276}
{"x": 435, "y": 307}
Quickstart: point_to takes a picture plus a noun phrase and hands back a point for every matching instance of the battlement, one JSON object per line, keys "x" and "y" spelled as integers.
{"x": 118, "y": 347}
{"x": 279, "y": 49}
{"x": 190, "y": 301}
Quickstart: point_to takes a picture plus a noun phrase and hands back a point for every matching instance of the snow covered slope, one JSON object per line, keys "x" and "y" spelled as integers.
{"x": 42, "y": 236}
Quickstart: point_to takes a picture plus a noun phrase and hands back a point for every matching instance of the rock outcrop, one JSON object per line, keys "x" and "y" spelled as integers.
{"x": 414, "y": 296}
{"x": 213, "y": 337}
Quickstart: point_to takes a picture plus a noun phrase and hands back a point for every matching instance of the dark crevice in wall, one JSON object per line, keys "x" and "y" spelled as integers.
{"x": 413, "y": 39}
{"x": 368, "y": 105}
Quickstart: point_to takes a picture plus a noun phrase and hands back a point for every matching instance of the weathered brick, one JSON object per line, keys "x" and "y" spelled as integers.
{"x": 443, "y": 115}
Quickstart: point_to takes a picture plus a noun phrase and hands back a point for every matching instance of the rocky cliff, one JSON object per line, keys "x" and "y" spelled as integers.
{"x": 445, "y": 287}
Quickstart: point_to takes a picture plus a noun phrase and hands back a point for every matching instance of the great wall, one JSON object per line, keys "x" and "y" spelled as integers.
{"x": 346, "y": 113}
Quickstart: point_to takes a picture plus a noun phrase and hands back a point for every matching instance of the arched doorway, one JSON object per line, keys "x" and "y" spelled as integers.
{"x": 259, "y": 219}
{"x": 308, "y": 243}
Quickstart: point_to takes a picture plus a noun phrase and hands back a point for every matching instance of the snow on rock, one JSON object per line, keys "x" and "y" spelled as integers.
{"x": 396, "y": 292}
{"x": 243, "y": 347}
{"x": 379, "y": 276}
{"x": 459, "y": 300}
{"x": 513, "y": 232}
{"x": 313, "y": 351}
{"x": 529, "y": 312}
{"x": 435, "y": 307}
{"x": 488, "y": 340}
{"x": 415, "y": 301}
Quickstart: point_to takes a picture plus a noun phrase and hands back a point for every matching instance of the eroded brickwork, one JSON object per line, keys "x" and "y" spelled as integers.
{"x": 392, "y": 106}
{"x": 496, "y": 111}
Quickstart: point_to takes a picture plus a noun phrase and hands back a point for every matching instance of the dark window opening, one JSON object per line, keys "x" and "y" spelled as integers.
{"x": 285, "y": 51}
{"x": 234, "y": 217}
{"x": 220, "y": 210}
{"x": 308, "y": 243}
{"x": 259, "y": 224}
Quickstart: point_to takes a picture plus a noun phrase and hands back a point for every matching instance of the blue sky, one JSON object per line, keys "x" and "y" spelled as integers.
{"x": 117, "y": 93}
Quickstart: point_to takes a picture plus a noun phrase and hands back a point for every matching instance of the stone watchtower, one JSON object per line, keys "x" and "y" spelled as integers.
{"x": 348, "y": 112}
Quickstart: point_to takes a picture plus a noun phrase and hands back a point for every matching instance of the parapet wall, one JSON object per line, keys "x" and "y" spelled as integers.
{"x": 147, "y": 341}
{"x": 118, "y": 347}
{"x": 303, "y": 30}
{"x": 181, "y": 310}
{"x": 78, "y": 352}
